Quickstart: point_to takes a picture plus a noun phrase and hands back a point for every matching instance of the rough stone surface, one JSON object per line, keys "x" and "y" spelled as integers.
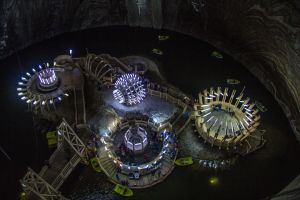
{"x": 263, "y": 35}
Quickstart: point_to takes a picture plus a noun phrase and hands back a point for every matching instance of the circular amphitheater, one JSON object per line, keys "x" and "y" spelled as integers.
{"x": 138, "y": 154}
{"x": 223, "y": 118}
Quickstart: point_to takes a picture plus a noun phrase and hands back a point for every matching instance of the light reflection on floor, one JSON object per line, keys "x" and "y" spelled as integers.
{"x": 154, "y": 107}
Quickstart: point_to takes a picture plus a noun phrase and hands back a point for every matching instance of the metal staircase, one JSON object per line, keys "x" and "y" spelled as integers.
{"x": 107, "y": 165}
{"x": 66, "y": 171}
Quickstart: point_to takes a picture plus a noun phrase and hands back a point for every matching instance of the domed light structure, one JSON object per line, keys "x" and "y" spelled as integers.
{"x": 224, "y": 120}
{"x": 135, "y": 139}
{"x": 130, "y": 89}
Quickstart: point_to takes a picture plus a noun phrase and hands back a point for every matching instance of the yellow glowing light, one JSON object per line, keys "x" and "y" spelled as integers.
{"x": 213, "y": 181}
{"x": 22, "y": 195}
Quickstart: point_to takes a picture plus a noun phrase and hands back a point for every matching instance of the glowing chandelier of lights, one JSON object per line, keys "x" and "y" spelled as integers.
{"x": 135, "y": 138}
{"x": 223, "y": 119}
{"x": 46, "y": 78}
{"x": 130, "y": 89}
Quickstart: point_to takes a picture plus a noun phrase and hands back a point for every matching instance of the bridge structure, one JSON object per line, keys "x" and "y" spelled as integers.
{"x": 45, "y": 184}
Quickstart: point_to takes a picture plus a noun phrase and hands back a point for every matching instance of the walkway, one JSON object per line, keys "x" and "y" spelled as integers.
{"x": 183, "y": 119}
{"x": 59, "y": 166}
{"x": 79, "y": 104}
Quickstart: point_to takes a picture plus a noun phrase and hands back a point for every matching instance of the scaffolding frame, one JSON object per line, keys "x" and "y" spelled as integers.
{"x": 34, "y": 183}
{"x": 65, "y": 132}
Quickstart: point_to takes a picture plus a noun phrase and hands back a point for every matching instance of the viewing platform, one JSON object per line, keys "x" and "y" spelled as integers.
{"x": 137, "y": 170}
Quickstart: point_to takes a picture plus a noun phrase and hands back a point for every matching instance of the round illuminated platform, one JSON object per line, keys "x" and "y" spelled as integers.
{"x": 224, "y": 119}
{"x": 142, "y": 163}
{"x": 47, "y": 85}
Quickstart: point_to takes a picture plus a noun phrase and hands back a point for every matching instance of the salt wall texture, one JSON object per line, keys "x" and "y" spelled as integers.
{"x": 263, "y": 35}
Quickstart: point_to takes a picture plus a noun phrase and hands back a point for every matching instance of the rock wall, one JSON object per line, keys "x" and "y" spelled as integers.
{"x": 263, "y": 35}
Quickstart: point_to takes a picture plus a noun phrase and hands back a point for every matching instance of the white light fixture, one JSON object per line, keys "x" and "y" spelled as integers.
{"x": 47, "y": 77}
{"x": 130, "y": 89}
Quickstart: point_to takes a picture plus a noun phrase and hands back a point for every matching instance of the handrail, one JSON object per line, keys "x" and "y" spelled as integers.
{"x": 65, "y": 172}
{"x": 167, "y": 96}
{"x": 52, "y": 157}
